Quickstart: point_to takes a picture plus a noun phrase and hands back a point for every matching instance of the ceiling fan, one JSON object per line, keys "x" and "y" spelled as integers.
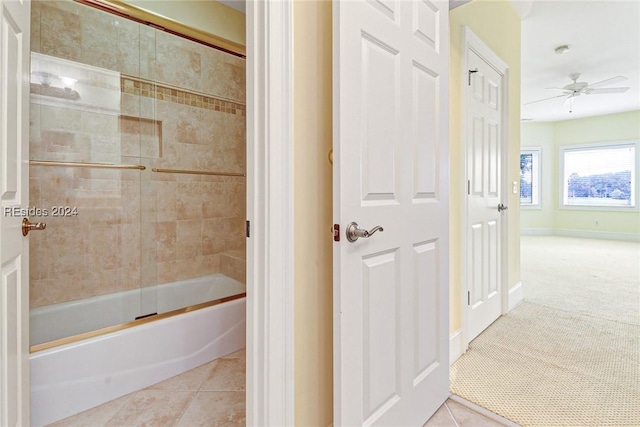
{"x": 577, "y": 88}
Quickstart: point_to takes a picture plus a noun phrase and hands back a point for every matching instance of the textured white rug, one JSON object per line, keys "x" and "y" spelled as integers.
{"x": 570, "y": 354}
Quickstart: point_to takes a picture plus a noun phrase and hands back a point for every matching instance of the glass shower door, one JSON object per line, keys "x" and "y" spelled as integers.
{"x": 87, "y": 169}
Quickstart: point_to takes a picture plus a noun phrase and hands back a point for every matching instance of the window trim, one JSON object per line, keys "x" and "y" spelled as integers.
{"x": 538, "y": 205}
{"x": 594, "y": 146}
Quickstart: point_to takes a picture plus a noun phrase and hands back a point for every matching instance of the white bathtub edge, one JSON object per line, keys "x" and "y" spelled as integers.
{"x": 73, "y": 378}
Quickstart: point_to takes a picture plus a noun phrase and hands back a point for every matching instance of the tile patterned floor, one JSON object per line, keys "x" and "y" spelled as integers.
{"x": 213, "y": 395}
{"x": 454, "y": 414}
{"x": 210, "y": 395}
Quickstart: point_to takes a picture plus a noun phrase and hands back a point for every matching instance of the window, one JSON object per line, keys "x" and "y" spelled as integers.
{"x": 530, "y": 177}
{"x": 600, "y": 175}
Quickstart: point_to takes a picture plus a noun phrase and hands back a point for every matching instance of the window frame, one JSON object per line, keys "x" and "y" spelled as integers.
{"x": 536, "y": 182}
{"x": 635, "y": 184}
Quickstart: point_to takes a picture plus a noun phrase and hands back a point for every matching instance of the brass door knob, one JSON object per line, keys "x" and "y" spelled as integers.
{"x": 28, "y": 226}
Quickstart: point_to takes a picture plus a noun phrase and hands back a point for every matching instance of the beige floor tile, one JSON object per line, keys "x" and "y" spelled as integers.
{"x": 237, "y": 354}
{"x": 189, "y": 381}
{"x": 227, "y": 375}
{"x": 466, "y": 417}
{"x": 152, "y": 408}
{"x": 95, "y": 417}
{"x": 442, "y": 418}
{"x": 215, "y": 408}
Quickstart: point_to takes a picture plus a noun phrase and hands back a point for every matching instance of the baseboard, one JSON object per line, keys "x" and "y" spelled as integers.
{"x": 456, "y": 346}
{"x": 584, "y": 234}
{"x": 537, "y": 232}
{"x": 483, "y": 411}
{"x": 604, "y": 235}
{"x": 516, "y": 296}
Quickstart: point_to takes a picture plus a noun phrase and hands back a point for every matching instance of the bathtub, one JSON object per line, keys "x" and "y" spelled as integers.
{"x": 69, "y": 379}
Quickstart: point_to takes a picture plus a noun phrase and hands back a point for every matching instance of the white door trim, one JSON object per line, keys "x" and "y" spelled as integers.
{"x": 471, "y": 42}
{"x": 270, "y": 209}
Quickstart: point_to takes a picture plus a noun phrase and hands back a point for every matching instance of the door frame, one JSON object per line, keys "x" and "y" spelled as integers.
{"x": 472, "y": 42}
{"x": 270, "y": 351}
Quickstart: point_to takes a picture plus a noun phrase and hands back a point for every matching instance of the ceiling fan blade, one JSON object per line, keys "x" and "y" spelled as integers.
{"x": 589, "y": 91}
{"x": 610, "y": 81}
{"x": 545, "y": 99}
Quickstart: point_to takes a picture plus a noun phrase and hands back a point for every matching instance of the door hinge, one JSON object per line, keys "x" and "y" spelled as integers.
{"x": 468, "y": 186}
{"x": 336, "y": 232}
{"x": 468, "y": 297}
{"x": 475, "y": 70}
{"x": 248, "y": 229}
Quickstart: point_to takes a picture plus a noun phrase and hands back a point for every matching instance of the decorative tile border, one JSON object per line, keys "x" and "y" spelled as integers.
{"x": 138, "y": 87}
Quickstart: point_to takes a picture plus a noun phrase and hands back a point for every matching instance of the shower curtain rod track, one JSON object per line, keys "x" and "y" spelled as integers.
{"x": 192, "y": 172}
{"x": 84, "y": 165}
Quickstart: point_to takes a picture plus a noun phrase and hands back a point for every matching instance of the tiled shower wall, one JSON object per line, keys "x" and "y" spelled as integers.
{"x": 178, "y": 105}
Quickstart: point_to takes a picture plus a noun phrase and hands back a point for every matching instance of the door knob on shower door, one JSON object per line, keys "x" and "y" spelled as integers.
{"x": 28, "y": 226}
{"x": 354, "y": 233}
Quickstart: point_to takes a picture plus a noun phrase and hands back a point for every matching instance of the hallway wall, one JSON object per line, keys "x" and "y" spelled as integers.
{"x": 313, "y": 204}
{"x": 497, "y": 23}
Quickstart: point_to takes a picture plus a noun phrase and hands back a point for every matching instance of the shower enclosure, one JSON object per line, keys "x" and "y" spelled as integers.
{"x": 137, "y": 166}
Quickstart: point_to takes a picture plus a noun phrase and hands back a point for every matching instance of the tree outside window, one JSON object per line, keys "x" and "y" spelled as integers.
{"x": 530, "y": 177}
{"x": 600, "y": 175}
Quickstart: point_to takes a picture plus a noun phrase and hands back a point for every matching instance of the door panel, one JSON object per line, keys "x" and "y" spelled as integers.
{"x": 391, "y": 169}
{"x": 484, "y": 173}
{"x": 379, "y": 99}
{"x": 14, "y": 199}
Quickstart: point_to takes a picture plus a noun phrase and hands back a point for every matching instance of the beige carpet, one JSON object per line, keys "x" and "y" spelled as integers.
{"x": 570, "y": 354}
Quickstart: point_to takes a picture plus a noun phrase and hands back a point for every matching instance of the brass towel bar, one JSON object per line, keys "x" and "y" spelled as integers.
{"x": 85, "y": 165}
{"x": 190, "y": 172}
{"x": 138, "y": 167}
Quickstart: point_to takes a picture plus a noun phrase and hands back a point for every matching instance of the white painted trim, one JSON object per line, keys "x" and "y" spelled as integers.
{"x": 604, "y": 235}
{"x": 483, "y": 411}
{"x": 536, "y": 232}
{"x": 584, "y": 234}
{"x": 471, "y": 41}
{"x": 270, "y": 398}
{"x": 635, "y": 175}
{"x": 516, "y": 295}
{"x": 457, "y": 346}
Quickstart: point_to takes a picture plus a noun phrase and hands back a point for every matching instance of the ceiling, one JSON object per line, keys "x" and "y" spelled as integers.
{"x": 239, "y": 5}
{"x": 604, "y": 40}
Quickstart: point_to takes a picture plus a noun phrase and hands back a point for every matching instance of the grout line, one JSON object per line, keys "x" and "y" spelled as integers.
{"x": 186, "y": 408}
{"x": 483, "y": 411}
{"x": 451, "y": 414}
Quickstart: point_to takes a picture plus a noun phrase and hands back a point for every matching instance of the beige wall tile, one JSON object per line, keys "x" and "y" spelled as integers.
{"x": 135, "y": 228}
{"x": 99, "y": 38}
{"x": 188, "y": 239}
{"x": 61, "y": 31}
{"x": 35, "y": 26}
{"x": 178, "y": 62}
{"x": 166, "y": 232}
{"x": 233, "y": 267}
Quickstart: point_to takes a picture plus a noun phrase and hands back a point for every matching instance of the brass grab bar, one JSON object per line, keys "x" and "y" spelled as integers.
{"x": 85, "y": 165}
{"x": 190, "y": 172}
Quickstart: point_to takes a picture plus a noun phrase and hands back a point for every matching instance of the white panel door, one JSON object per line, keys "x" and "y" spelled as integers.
{"x": 391, "y": 301}
{"x": 484, "y": 141}
{"x": 14, "y": 195}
